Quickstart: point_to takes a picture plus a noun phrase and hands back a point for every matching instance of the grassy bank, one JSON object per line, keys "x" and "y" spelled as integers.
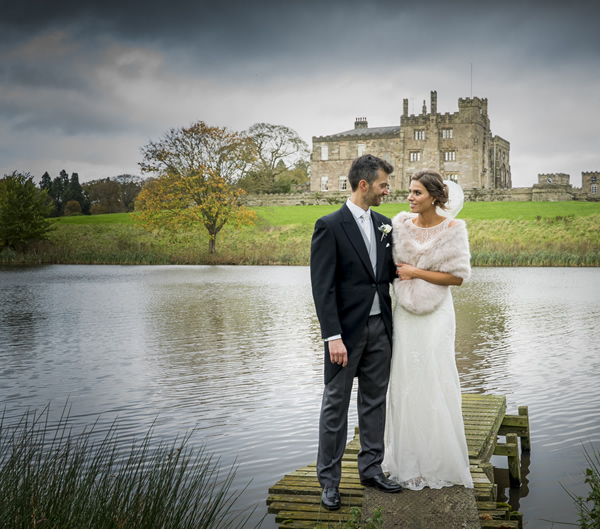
{"x": 501, "y": 234}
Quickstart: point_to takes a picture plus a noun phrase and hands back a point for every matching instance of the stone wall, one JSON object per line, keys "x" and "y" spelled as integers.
{"x": 537, "y": 193}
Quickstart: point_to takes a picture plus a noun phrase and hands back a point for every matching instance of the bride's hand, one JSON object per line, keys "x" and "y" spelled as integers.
{"x": 405, "y": 271}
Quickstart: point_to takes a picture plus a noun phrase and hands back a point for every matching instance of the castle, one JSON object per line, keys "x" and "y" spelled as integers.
{"x": 459, "y": 145}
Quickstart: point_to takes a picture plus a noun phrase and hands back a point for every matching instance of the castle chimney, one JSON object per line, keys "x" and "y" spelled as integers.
{"x": 424, "y": 107}
{"x": 405, "y": 108}
{"x": 361, "y": 123}
{"x": 434, "y": 102}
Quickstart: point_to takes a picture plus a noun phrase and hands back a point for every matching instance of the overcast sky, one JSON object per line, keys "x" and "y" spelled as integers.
{"x": 85, "y": 84}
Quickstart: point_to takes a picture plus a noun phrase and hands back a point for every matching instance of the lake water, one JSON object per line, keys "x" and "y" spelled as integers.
{"x": 236, "y": 354}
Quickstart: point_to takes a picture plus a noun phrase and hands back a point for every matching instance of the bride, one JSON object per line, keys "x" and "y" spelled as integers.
{"x": 425, "y": 443}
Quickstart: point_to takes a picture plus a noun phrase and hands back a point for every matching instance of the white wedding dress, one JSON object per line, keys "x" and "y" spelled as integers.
{"x": 425, "y": 443}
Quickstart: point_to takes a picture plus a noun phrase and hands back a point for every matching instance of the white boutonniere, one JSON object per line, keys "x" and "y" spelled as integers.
{"x": 384, "y": 229}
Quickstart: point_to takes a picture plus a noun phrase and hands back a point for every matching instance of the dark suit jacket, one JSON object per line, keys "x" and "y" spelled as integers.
{"x": 343, "y": 283}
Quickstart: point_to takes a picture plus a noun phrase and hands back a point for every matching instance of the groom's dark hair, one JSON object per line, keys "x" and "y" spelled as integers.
{"x": 365, "y": 168}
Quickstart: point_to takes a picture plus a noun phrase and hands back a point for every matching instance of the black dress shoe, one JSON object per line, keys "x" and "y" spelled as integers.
{"x": 380, "y": 482}
{"x": 330, "y": 498}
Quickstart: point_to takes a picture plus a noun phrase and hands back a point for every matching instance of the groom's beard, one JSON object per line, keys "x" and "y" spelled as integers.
{"x": 372, "y": 198}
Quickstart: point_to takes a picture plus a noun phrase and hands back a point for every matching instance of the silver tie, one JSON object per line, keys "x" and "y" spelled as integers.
{"x": 366, "y": 217}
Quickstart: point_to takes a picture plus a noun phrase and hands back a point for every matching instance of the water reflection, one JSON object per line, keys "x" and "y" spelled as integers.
{"x": 235, "y": 353}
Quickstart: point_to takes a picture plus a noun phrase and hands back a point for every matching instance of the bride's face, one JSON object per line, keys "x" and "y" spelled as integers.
{"x": 419, "y": 198}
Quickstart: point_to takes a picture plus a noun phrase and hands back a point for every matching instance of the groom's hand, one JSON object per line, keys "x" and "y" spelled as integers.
{"x": 337, "y": 352}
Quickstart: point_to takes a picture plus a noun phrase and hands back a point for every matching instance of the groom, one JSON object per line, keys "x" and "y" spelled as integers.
{"x": 351, "y": 268}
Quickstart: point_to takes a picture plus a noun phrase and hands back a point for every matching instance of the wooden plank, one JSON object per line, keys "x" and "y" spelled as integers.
{"x": 506, "y": 449}
{"x": 277, "y": 507}
{"x": 276, "y": 501}
{"x": 498, "y": 524}
{"x": 320, "y": 516}
{"x": 516, "y": 421}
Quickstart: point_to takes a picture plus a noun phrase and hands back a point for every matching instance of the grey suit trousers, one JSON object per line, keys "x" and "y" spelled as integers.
{"x": 370, "y": 362}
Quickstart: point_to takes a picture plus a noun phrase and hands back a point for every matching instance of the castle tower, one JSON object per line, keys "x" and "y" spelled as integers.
{"x": 589, "y": 183}
{"x": 434, "y": 102}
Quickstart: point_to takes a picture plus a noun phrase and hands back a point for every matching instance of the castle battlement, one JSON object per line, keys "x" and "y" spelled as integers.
{"x": 471, "y": 102}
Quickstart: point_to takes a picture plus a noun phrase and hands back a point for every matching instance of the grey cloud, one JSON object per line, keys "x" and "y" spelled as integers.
{"x": 225, "y": 33}
{"x": 311, "y": 65}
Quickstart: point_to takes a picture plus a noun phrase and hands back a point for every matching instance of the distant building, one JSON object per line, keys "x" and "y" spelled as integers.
{"x": 459, "y": 145}
{"x": 552, "y": 187}
{"x": 589, "y": 183}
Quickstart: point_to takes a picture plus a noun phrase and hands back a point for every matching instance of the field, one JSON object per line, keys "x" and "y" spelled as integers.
{"x": 500, "y": 233}
{"x": 303, "y": 215}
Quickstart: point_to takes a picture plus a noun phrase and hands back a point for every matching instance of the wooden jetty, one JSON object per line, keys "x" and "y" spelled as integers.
{"x": 295, "y": 499}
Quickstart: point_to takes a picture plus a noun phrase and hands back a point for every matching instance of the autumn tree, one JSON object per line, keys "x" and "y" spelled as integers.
{"x": 195, "y": 168}
{"x": 275, "y": 149}
{"x": 23, "y": 210}
{"x": 72, "y": 207}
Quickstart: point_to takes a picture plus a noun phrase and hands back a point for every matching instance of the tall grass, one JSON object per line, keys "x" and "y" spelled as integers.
{"x": 588, "y": 507}
{"x": 52, "y": 478}
{"x": 282, "y": 236}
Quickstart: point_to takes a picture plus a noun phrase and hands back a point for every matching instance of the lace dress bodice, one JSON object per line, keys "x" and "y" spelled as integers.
{"x": 424, "y": 235}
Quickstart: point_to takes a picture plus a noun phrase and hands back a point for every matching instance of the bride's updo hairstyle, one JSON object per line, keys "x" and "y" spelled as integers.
{"x": 433, "y": 182}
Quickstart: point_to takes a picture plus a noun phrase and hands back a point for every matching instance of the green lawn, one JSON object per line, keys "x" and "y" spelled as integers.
{"x": 112, "y": 218}
{"x": 307, "y": 215}
{"x": 500, "y": 234}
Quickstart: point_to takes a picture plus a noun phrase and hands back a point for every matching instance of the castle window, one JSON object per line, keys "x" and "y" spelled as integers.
{"x": 343, "y": 183}
{"x": 361, "y": 149}
{"x": 447, "y": 134}
{"x": 449, "y": 156}
{"x": 419, "y": 134}
{"x": 453, "y": 177}
{"x": 324, "y": 183}
{"x": 324, "y": 152}
{"x": 414, "y": 156}
{"x": 594, "y": 189}
{"x": 594, "y": 179}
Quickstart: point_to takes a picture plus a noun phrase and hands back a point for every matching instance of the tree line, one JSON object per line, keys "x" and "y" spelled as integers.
{"x": 105, "y": 195}
{"x": 195, "y": 177}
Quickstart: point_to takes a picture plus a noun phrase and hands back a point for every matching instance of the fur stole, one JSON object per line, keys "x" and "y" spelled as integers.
{"x": 447, "y": 252}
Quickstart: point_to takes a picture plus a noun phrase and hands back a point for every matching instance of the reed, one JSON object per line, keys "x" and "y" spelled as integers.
{"x": 50, "y": 477}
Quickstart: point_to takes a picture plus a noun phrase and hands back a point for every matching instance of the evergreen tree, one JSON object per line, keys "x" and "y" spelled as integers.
{"x": 46, "y": 185}
{"x": 59, "y": 187}
{"x": 46, "y": 182}
{"x": 75, "y": 191}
